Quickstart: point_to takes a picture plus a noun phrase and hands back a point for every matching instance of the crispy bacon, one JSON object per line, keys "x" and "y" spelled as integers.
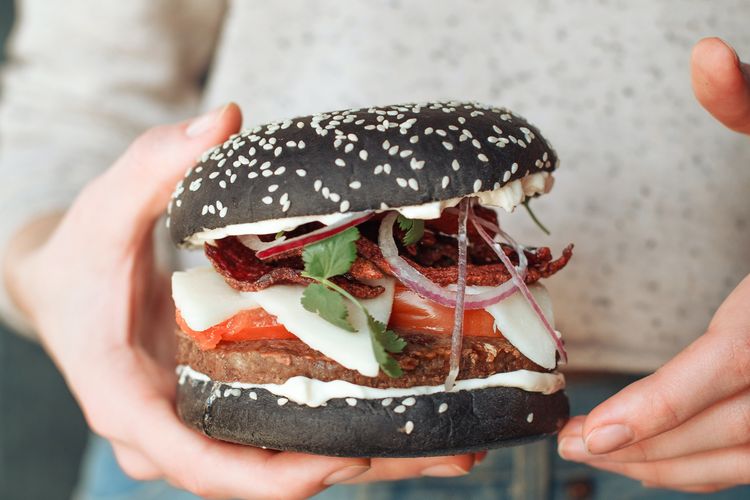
{"x": 243, "y": 271}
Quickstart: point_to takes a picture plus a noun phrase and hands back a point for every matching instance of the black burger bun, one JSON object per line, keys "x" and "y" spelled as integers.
{"x": 429, "y": 425}
{"x": 354, "y": 160}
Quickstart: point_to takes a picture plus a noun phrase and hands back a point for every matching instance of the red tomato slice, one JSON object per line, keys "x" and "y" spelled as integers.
{"x": 412, "y": 313}
{"x": 250, "y": 324}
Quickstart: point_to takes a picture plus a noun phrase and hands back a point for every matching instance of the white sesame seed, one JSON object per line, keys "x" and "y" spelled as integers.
{"x": 414, "y": 139}
{"x": 205, "y": 210}
{"x": 378, "y": 169}
{"x": 352, "y": 137}
{"x": 387, "y": 168}
{"x": 335, "y": 197}
{"x": 386, "y": 144}
{"x": 301, "y": 172}
{"x": 301, "y": 144}
{"x": 506, "y": 176}
{"x": 447, "y": 145}
{"x": 476, "y": 143}
{"x": 284, "y": 198}
{"x": 413, "y": 184}
{"x": 408, "y": 427}
{"x": 355, "y": 184}
{"x": 514, "y": 168}
{"x": 497, "y": 129}
{"x": 267, "y": 200}
{"x": 351, "y": 401}
{"x": 409, "y": 401}
{"x": 213, "y": 175}
{"x": 348, "y": 148}
{"x": 477, "y": 185}
{"x": 277, "y": 151}
{"x": 441, "y": 132}
{"x": 455, "y": 165}
{"x": 272, "y": 188}
{"x": 265, "y": 165}
{"x": 223, "y": 184}
{"x": 337, "y": 143}
{"x": 483, "y": 157}
{"x": 416, "y": 164}
{"x": 279, "y": 171}
{"x": 223, "y": 212}
{"x": 317, "y": 184}
{"x": 401, "y": 182}
{"x": 282, "y": 401}
{"x": 445, "y": 182}
{"x": 530, "y": 417}
{"x": 443, "y": 407}
{"x": 253, "y": 396}
{"x": 387, "y": 401}
{"x": 393, "y": 150}
{"x": 344, "y": 206}
{"x": 291, "y": 144}
{"x": 267, "y": 173}
{"x": 252, "y": 175}
{"x": 521, "y": 143}
{"x": 405, "y": 153}
{"x": 428, "y": 131}
{"x": 363, "y": 155}
{"x": 325, "y": 192}
{"x": 399, "y": 409}
{"x": 340, "y": 162}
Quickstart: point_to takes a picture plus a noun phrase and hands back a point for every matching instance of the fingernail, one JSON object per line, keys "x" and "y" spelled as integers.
{"x": 205, "y": 122}
{"x": 608, "y": 438}
{"x": 572, "y": 448}
{"x": 346, "y": 474}
{"x": 444, "y": 470}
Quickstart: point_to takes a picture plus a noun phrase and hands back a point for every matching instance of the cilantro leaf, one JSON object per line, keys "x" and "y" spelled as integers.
{"x": 328, "y": 304}
{"x": 383, "y": 342}
{"x": 533, "y": 216}
{"x": 332, "y": 256}
{"x": 414, "y": 229}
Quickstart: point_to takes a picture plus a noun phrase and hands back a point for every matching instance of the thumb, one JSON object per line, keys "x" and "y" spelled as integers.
{"x": 135, "y": 191}
{"x": 720, "y": 85}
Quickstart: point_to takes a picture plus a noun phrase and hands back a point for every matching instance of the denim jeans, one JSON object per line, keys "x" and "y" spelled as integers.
{"x": 534, "y": 471}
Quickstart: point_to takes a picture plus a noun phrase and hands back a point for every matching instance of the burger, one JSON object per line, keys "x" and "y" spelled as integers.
{"x": 362, "y": 297}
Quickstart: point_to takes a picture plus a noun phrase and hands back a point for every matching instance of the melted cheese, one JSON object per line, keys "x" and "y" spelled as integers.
{"x": 204, "y": 299}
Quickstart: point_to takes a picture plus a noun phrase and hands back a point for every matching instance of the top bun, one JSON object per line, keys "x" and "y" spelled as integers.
{"x": 354, "y": 160}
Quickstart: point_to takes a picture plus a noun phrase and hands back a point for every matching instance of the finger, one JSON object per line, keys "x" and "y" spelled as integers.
{"x": 134, "y": 463}
{"x": 728, "y": 466}
{"x": 393, "y": 469}
{"x": 724, "y": 425}
{"x": 719, "y": 83}
{"x": 703, "y": 488}
{"x": 136, "y": 190}
{"x": 212, "y": 468}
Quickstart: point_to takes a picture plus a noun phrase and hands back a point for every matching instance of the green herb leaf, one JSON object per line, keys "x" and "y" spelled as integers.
{"x": 414, "y": 229}
{"x": 328, "y": 304}
{"x": 383, "y": 342}
{"x": 533, "y": 217}
{"x": 278, "y": 235}
{"x": 332, "y": 256}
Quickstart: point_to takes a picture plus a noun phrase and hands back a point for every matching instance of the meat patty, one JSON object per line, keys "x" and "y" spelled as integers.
{"x": 425, "y": 361}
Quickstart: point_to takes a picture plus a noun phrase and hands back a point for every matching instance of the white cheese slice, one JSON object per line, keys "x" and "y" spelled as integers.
{"x": 518, "y": 323}
{"x": 352, "y": 350}
{"x": 204, "y": 299}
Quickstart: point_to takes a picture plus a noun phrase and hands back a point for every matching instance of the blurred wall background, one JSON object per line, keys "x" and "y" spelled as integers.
{"x": 42, "y": 432}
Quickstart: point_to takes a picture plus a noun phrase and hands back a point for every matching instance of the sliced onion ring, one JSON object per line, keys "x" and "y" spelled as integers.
{"x": 521, "y": 285}
{"x": 422, "y": 286}
{"x": 458, "y": 314}
{"x": 265, "y": 250}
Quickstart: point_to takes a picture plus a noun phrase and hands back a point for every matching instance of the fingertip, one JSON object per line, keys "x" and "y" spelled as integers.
{"x": 574, "y": 427}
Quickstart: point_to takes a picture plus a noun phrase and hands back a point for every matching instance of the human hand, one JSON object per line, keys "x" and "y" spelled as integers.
{"x": 686, "y": 427}
{"x": 104, "y": 314}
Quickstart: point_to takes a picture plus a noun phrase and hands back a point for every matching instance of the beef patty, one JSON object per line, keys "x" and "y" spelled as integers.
{"x": 424, "y": 361}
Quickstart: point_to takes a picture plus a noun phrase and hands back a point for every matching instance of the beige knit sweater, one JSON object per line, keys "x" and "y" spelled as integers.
{"x": 653, "y": 192}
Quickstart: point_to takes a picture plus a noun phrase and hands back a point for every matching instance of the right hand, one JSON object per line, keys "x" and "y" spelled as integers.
{"x": 104, "y": 314}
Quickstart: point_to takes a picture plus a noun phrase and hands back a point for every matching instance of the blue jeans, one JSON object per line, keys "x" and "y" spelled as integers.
{"x": 527, "y": 472}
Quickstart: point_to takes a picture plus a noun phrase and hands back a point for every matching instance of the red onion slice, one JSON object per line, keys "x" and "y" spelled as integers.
{"x": 271, "y": 248}
{"x": 422, "y": 286}
{"x": 458, "y": 318}
{"x": 521, "y": 285}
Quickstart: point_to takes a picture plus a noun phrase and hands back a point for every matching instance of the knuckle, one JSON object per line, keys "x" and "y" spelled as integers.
{"x": 664, "y": 409}
{"x": 739, "y": 356}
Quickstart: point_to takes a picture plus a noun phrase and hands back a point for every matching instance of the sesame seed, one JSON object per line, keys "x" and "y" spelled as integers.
{"x": 213, "y": 175}
{"x": 252, "y": 175}
{"x": 355, "y": 184}
{"x": 413, "y": 184}
{"x": 265, "y": 165}
{"x": 279, "y": 171}
{"x": 393, "y": 150}
{"x": 441, "y": 132}
{"x": 401, "y": 182}
{"x": 253, "y": 396}
{"x": 416, "y": 164}
{"x": 443, "y": 407}
{"x": 325, "y": 192}
{"x": 477, "y": 185}
{"x": 386, "y": 144}
{"x": 272, "y": 188}
{"x": 387, "y": 401}
{"x": 414, "y": 139}
{"x": 267, "y": 200}
{"x": 409, "y": 401}
{"x": 267, "y": 173}
{"x": 387, "y": 168}
{"x": 363, "y": 155}
{"x": 301, "y": 144}
{"x": 405, "y": 153}
{"x": 522, "y": 144}
{"x": 352, "y": 137}
{"x": 409, "y": 427}
{"x": 530, "y": 417}
{"x": 497, "y": 129}
{"x": 335, "y": 197}
{"x": 348, "y": 148}
{"x": 337, "y": 143}
{"x": 277, "y": 151}
{"x": 399, "y": 409}
{"x": 447, "y": 145}
{"x": 428, "y": 131}
{"x": 506, "y": 176}
{"x": 351, "y": 401}
{"x": 445, "y": 182}
{"x": 455, "y": 165}
{"x": 344, "y": 206}
{"x": 317, "y": 184}
{"x": 223, "y": 184}
{"x": 282, "y": 401}
{"x": 514, "y": 168}
{"x": 284, "y": 198}
{"x": 340, "y": 162}
{"x": 378, "y": 169}
{"x": 476, "y": 144}
{"x": 301, "y": 172}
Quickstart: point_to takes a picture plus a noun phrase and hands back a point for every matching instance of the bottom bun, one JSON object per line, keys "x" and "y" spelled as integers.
{"x": 444, "y": 423}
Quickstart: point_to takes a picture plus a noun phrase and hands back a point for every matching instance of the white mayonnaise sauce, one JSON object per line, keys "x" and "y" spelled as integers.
{"x": 507, "y": 197}
{"x": 311, "y": 392}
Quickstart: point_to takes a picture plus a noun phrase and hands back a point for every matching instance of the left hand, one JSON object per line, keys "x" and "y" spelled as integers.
{"x": 687, "y": 426}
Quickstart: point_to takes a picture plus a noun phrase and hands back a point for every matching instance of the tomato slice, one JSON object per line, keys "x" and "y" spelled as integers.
{"x": 249, "y": 324}
{"x": 411, "y": 313}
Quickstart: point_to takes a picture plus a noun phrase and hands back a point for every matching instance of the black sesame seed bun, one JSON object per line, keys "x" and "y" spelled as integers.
{"x": 437, "y": 424}
{"x": 355, "y": 160}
